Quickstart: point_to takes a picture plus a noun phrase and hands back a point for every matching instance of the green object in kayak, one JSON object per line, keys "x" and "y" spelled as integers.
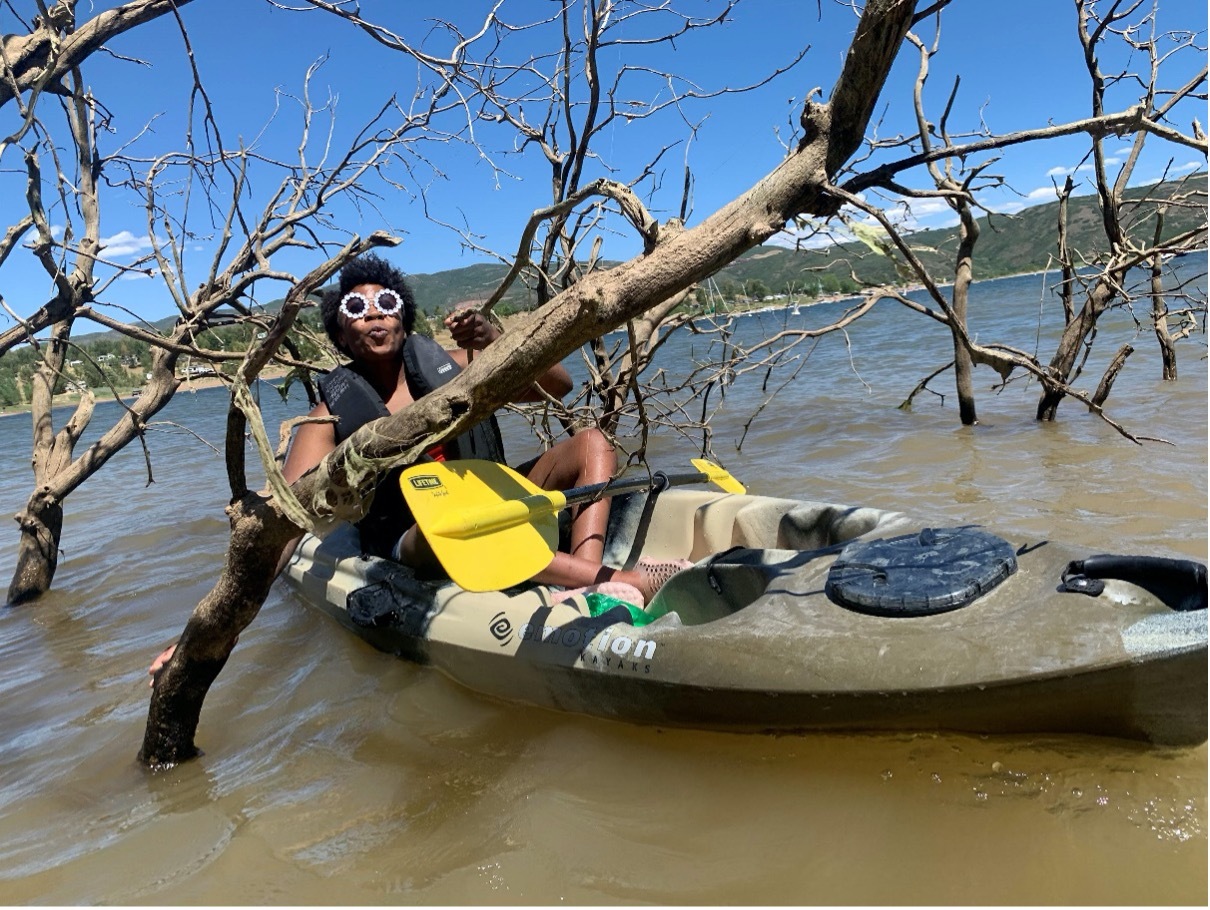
{"x": 599, "y": 604}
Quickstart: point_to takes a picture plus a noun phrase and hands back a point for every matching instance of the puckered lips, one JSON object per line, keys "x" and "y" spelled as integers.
{"x": 378, "y": 333}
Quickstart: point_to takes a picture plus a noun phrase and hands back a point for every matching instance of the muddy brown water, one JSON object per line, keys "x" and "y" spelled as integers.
{"x": 336, "y": 774}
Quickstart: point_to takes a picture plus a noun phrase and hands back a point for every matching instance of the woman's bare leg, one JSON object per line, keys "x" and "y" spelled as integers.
{"x": 565, "y": 570}
{"x": 584, "y": 459}
{"x": 570, "y": 571}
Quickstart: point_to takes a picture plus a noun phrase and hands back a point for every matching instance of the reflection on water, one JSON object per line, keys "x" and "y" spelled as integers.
{"x": 335, "y": 774}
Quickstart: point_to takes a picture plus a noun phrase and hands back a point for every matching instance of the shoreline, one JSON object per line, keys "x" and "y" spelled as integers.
{"x": 443, "y": 337}
{"x": 199, "y": 384}
{"x": 440, "y": 334}
{"x": 70, "y": 399}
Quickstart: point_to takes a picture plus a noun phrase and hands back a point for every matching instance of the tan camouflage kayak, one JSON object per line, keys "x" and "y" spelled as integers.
{"x": 800, "y": 616}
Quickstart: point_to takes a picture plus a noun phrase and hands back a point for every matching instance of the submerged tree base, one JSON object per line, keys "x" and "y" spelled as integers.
{"x": 259, "y": 534}
{"x": 37, "y": 553}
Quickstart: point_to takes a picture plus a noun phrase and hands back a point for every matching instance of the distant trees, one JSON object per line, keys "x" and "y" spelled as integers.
{"x": 10, "y": 392}
{"x": 758, "y": 290}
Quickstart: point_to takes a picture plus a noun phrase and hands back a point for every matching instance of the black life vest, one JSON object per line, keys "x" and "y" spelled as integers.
{"x": 353, "y": 401}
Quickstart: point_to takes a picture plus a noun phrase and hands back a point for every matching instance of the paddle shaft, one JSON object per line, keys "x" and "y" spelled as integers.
{"x": 512, "y": 512}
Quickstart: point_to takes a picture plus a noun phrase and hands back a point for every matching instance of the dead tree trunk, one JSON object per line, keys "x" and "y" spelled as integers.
{"x": 57, "y": 472}
{"x": 1080, "y": 330}
{"x": 41, "y": 520}
{"x": 70, "y": 258}
{"x": 963, "y": 366}
{"x": 1105, "y": 386}
{"x": 41, "y": 529}
{"x": 1159, "y": 310}
{"x": 957, "y": 196}
{"x": 1076, "y": 338}
{"x": 1159, "y": 314}
{"x": 258, "y": 536}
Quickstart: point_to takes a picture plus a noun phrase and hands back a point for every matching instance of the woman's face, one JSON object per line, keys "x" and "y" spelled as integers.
{"x": 372, "y": 336}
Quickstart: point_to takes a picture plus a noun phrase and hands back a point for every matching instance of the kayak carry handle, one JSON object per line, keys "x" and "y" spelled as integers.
{"x": 1179, "y": 583}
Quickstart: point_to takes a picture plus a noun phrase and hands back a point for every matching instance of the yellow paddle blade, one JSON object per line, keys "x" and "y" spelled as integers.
{"x": 718, "y": 476}
{"x": 489, "y": 526}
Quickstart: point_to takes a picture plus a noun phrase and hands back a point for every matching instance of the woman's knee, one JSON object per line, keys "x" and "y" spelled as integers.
{"x": 594, "y": 443}
{"x": 597, "y": 453}
{"x": 587, "y": 457}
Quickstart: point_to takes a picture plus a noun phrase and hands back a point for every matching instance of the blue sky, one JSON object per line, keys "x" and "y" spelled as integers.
{"x": 1019, "y": 62}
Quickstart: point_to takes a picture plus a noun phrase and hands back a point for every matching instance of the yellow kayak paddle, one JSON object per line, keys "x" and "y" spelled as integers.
{"x": 491, "y": 527}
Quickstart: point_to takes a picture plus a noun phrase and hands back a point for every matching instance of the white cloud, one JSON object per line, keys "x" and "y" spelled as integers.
{"x": 930, "y": 208}
{"x": 920, "y": 214}
{"x": 1086, "y": 168}
{"x": 124, "y": 243}
{"x": 1171, "y": 173}
{"x": 1011, "y": 207}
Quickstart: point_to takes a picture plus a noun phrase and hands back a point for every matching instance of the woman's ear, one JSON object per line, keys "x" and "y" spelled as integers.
{"x": 339, "y": 344}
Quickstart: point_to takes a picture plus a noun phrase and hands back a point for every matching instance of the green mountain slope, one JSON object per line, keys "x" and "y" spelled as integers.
{"x": 1008, "y": 245}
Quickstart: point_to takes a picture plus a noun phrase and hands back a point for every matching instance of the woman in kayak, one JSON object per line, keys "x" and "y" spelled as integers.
{"x": 369, "y": 318}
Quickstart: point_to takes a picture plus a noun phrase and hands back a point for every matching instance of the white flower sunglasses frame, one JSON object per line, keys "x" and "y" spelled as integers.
{"x": 388, "y": 310}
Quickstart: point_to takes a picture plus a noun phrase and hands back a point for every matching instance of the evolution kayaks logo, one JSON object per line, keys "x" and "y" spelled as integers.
{"x": 501, "y": 629}
{"x": 598, "y": 645}
{"x": 424, "y": 482}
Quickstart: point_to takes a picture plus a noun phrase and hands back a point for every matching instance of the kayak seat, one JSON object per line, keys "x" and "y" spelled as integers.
{"x": 791, "y": 525}
{"x": 811, "y": 527}
{"x": 726, "y": 583}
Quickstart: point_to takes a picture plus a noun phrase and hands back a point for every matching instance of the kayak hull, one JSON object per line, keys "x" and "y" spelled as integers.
{"x": 749, "y": 639}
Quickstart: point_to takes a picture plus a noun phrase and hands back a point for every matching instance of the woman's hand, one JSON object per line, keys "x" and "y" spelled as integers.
{"x": 471, "y": 329}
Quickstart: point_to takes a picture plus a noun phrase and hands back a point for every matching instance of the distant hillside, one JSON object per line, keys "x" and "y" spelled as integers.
{"x": 440, "y": 291}
{"x": 1008, "y": 245}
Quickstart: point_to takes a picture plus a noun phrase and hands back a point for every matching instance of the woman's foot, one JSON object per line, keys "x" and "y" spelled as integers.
{"x": 584, "y": 576}
{"x": 655, "y": 573}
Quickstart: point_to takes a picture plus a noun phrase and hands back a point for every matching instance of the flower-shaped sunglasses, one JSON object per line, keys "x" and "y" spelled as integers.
{"x": 355, "y": 304}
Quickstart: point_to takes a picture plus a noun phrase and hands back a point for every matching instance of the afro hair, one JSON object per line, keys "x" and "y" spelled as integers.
{"x": 366, "y": 269}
